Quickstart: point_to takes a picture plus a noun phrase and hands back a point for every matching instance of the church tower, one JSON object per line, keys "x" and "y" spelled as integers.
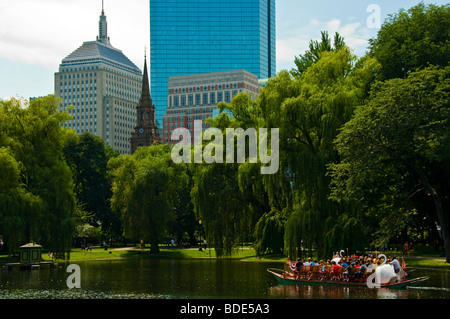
{"x": 146, "y": 131}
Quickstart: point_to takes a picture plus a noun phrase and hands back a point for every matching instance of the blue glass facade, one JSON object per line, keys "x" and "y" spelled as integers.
{"x": 203, "y": 36}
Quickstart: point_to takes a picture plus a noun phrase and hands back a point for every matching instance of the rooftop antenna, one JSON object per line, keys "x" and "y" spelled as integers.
{"x": 103, "y": 11}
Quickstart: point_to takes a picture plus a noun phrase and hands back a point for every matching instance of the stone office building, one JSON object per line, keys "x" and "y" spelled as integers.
{"x": 195, "y": 97}
{"x": 100, "y": 87}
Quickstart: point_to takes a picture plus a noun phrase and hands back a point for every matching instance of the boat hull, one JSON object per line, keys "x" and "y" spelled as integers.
{"x": 290, "y": 280}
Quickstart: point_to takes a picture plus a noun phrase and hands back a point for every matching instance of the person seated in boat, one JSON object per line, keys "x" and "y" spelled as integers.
{"x": 307, "y": 263}
{"x": 298, "y": 267}
{"x": 335, "y": 267}
{"x": 370, "y": 265}
{"x": 360, "y": 271}
{"x": 363, "y": 266}
{"x": 325, "y": 266}
{"x": 396, "y": 265}
{"x": 322, "y": 266}
{"x": 348, "y": 268}
{"x": 343, "y": 263}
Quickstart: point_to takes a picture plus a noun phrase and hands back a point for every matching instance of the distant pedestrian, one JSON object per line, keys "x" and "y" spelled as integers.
{"x": 405, "y": 249}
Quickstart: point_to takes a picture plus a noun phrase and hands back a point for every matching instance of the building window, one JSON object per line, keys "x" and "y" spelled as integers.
{"x": 227, "y": 97}
{"x": 212, "y": 98}
{"x": 197, "y": 99}
{"x": 191, "y": 99}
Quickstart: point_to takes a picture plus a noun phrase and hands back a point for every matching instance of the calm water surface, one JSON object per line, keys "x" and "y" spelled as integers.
{"x": 194, "y": 279}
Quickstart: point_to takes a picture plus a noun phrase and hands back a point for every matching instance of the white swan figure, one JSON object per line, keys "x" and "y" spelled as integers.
{"x": 338, "y": 259}
{"x": 385, "y": 273}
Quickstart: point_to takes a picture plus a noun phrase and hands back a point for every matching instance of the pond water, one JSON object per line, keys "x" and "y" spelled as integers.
{"x": 193, "y": 279}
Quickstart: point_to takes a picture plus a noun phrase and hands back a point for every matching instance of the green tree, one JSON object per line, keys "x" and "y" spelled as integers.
{"x": 413, "y": 39}
{"x": 309, "y": 121}
{"x": 184, "y": 220}
{"x": 88, "y": 157}
{"x": 145, "y": 187}
{"x": 311, "y": 56}
{"x": 308, "y": 110}
{"x": 225, "y": 195}
{"x": 15, "y": 201}
{"x": 395, "y": 151}
{"x": 32, "y": 133}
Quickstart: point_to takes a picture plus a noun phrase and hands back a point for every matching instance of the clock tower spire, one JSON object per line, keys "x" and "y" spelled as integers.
{"x": 146, "y": 131}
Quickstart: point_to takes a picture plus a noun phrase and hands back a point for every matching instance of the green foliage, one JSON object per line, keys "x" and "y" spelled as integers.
{"x": 219, "y": 204}
{"x": 316, "y": 48}
{"x": 360, "y": 160}
{"x": 412, "y": 40}
{"x": 15, "y": 201}
{"x": 269, "y": 233}
{"x": 330, "y": 91}
{"x": 145, "y": 186}
{"x": 395, "y": 149}
{"x": 88, "y": 158}
{"x": 301, "y": 231}
{"x": 38, "y": 200}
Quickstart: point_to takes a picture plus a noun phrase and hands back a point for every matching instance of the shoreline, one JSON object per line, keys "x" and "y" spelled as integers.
{"x": 243, "y": 254}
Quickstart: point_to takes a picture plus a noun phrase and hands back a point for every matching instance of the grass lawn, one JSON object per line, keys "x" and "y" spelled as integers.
{"x": 428, "y": 258}
{"x": 165, "y": 253}
{"x": 427, "y": 262}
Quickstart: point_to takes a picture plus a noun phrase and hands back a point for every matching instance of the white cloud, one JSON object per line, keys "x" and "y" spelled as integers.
{"x": 44, "y": 32}
{"x": 293, "y": 42}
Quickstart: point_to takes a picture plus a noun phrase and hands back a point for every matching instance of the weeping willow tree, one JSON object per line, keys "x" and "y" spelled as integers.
{"x": 345, "y": 233}
{"x": 309, "y": 109}
{"x": 145, "y": 187}
{"x": 330, "y": 90}
{"x": 219, "y": 204}
{"x": 15, "y": 201}
{"x": 225, "y": 202}
{"x": 269, "y": 233}
{"x": 40, "y": 205}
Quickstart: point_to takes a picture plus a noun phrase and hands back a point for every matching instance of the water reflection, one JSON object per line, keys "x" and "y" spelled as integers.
{"x": 327, "y": 292}
{"x": 205, "y": 279}
{"x": 342, "y": 292}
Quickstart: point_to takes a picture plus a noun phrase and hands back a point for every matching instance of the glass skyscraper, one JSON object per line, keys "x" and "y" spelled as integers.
{"x": 203, "y": 36}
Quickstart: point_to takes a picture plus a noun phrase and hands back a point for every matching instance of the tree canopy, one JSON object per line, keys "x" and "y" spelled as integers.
{"x": 412, "y": 39}
{"x": 38, "y": 198}
{"x": 145, "y": 186}
{"x": 395, "y": 151}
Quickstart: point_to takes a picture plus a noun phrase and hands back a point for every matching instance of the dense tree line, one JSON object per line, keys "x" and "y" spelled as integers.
{"x": 37, "y": 199}
{"x": 363, "y": 157}
{"x": 363, "y": 146}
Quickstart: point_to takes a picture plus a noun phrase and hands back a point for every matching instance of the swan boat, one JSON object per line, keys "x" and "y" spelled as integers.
{"x": 312, "y": 276}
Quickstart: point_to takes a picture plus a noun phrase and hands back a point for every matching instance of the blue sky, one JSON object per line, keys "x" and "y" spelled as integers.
{"x": 35, "y": 35}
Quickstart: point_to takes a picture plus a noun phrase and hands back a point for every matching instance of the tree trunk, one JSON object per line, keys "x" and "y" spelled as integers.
{"x": 440, "y": 212}
{"x": 154, "y": 248}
